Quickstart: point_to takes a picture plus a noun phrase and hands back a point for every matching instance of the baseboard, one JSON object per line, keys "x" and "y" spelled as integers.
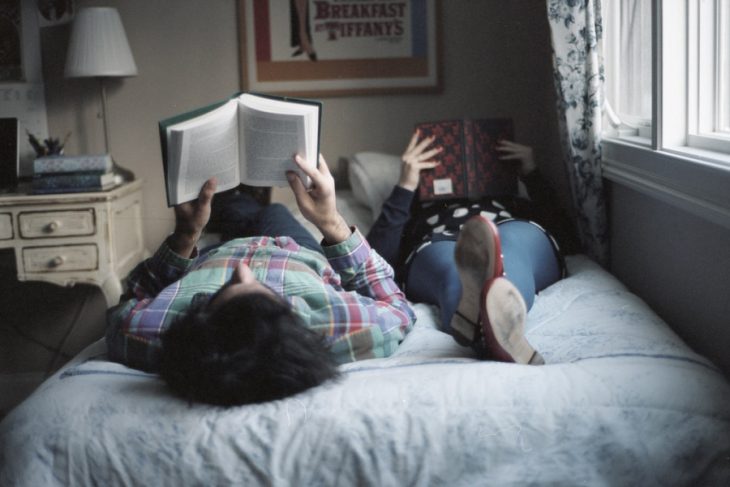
{"x": 14, "y": 388}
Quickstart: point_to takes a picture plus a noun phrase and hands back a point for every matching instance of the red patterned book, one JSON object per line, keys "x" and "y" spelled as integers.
{"x": 469, "y": 167}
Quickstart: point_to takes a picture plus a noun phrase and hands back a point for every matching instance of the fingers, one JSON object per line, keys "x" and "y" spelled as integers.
{"x": 510, "y": 157}
{"x": 413, "y": 141}
{"x": 427, "y": 165}
{"x": 424, "y": 144}
{"x": 315, "y": 173}
{"x": 296, "y": 184}
{"x": 207, "y": 191}
{"x": 513, "y": 145}
{"x": 425, "y": 156}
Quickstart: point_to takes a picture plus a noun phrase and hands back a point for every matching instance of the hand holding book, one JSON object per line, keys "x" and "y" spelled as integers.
{"x": 424, "y": 153}
{"x": 317, "y": 203}
{"x": 248, "y": 139}
{"x": 512, "y": 151}
{"x": 419, "y": 155}
{"x": 470, "y": 166}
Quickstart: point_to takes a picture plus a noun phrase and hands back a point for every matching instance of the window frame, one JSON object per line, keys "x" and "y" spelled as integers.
{"x": 664, "y": 165}
{"x": 686, "y": 105}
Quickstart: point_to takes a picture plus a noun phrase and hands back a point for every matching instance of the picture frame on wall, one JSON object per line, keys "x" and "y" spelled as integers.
{"x": 319, "y": 48}
{"x": 11, "y": 41}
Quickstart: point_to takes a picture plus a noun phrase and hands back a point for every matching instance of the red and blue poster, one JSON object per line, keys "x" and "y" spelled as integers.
{"x": 331, "y": 47}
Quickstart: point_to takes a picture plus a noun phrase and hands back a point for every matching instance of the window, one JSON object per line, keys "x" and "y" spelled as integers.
{"x": 709, "y": 84}
{"x": 628, "y": 54}
{"x": 684, "y": 88}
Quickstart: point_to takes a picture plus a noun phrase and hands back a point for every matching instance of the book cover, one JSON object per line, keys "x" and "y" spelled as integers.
{"x": 470, "y": 166}
{"x": 97, "y": 163}
{"x": 72, "y": 182}
{"x": 71, "y": 189}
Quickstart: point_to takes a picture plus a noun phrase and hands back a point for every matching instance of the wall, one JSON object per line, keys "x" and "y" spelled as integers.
{"x": 496, "y": 62}
{"x": 679, "y": 264}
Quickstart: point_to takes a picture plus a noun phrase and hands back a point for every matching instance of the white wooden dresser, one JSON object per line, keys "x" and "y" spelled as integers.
{"x": 94, "y": 237}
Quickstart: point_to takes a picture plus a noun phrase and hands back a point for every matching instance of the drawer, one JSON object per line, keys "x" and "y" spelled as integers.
{"x": 6, "y": 226}
{"x": 51, "y": 224}
{"x": 61, "y": 258}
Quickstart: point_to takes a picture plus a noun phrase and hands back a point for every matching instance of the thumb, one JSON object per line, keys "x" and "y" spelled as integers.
{"x": 296, "y": 184}
{"x": 207, "y": 191}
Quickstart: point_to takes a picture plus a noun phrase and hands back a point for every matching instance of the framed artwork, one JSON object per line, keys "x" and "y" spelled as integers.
{"x": 323, "y": 48}
{"x": 11, "y": 41}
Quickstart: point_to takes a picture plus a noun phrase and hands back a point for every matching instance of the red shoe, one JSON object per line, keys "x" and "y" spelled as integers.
{"x": 491, "y": 314}
{"x": 478, "y": 257}
{"x": 503, "y": 315}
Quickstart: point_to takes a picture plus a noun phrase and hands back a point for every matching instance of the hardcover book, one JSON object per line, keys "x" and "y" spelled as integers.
{"x": 470, "y": 166}
{"x": 249, "y": 138}
{"x": 73, "y": 182}
{"x": 97, "y": 163}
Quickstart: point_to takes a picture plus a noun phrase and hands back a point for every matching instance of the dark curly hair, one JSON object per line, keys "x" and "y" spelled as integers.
{"x": 252, "y": 348}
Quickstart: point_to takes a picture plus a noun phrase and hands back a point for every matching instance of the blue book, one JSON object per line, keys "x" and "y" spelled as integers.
{"x": 98, "y": 163}
{"x": 74, "y": 182}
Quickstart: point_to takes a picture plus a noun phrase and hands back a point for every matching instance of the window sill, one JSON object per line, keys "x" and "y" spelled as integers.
{"x": 686, "y": 178}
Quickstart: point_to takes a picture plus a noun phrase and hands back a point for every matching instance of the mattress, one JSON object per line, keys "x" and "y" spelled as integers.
{"x": 621, "y": 401}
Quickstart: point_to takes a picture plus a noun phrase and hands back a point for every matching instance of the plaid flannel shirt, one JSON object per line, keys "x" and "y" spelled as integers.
{"x": 350, "y": 296}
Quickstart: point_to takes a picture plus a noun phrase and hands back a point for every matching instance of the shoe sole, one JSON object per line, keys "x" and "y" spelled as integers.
{"x": 476, "y": 235}
{"x": 503, "y": 322}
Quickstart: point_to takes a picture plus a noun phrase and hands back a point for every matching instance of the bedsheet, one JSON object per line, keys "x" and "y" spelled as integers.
{"x": 621, "y": 401}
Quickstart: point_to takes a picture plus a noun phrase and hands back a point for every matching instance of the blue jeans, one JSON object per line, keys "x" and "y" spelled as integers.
{"x": 237, "y": 215}
{"x": 531, "y": 263}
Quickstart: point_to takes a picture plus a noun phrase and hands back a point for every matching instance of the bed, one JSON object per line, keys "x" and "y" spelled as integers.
{"x": 621, "y": 401}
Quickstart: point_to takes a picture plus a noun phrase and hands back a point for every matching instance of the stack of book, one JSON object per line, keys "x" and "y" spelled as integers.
{"x": 73, "y": 174}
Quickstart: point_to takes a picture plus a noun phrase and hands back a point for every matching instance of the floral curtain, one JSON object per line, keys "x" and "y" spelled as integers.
{"x": 575, "y": 27}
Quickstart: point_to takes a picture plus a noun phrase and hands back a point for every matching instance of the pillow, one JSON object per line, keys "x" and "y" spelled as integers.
{"x": 372, "y": 176}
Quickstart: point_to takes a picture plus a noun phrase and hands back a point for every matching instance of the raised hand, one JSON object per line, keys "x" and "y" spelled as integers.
{"x": 416, "y": 158}
{"x": 191, "y": 218}
{"x": 317, "y": 202}
{"x": 512, "y": 151}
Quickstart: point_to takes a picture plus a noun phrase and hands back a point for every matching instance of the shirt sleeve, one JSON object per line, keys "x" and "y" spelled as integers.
{"x": 387, "y": 231}
{"x": 133, "y": 325}
{"x": 363, "y": 270}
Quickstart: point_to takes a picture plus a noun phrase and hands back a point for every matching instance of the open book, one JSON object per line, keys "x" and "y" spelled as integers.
{"x": 470, "y": 165}
{"x": 248, "y": 139}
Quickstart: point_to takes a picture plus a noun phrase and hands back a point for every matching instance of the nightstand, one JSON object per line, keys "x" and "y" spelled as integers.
{"x": 64, "y": 239}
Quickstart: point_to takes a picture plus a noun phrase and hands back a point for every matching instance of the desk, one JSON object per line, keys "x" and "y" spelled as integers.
{"x": 93, "y": 238}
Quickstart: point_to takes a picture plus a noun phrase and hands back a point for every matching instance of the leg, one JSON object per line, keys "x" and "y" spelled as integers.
{"x": 531, "y": 261}
{"x": 432, "y": 278}
{"x": 491, "y": 313}
{"x": 233, "y": 213}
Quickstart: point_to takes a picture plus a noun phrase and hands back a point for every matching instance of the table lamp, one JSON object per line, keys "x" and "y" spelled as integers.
{"x": 98, "y": 48}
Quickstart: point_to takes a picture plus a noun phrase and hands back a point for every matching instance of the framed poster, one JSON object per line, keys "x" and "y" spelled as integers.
{"x": 11, "y": 41}
{"x": 339, "y": 47}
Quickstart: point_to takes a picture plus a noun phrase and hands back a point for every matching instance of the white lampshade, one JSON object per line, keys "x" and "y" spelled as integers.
{"x": 98, "y": 45}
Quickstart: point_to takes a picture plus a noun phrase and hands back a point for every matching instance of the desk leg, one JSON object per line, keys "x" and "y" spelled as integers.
{"x": 112, "y": 289}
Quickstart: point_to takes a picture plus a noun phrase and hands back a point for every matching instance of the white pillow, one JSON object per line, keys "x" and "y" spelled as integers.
{"x": 372, "y": 176}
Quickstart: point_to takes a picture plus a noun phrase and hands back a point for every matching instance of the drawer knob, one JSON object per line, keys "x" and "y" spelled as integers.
{"x": 53, "y": 226}
{"x": 57, "y": 261}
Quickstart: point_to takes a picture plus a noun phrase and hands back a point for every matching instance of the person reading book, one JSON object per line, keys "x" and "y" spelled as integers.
{"x": 261, "y": 317}
{"x": 482, "y": 276}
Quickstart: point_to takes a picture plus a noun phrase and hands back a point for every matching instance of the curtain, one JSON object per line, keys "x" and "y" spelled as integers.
{"x": 575, "y": 27}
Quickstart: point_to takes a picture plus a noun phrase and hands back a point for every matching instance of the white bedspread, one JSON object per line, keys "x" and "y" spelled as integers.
{"x": 622, "y": 401}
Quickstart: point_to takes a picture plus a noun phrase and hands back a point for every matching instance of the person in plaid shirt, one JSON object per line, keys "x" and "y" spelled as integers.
{"x": 264, "y": 316}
